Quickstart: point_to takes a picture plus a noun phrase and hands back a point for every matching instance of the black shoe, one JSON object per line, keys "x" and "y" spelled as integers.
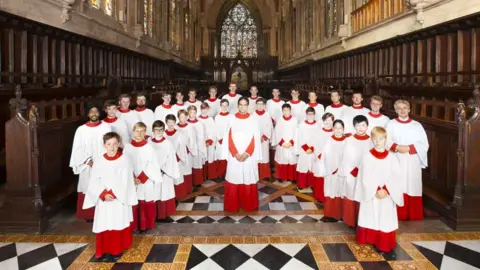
{"x": 89, "y": 220}
{"x": 106, "y": 258}
{"x": 117, "y": 257}
{"x": 328, "y": 219}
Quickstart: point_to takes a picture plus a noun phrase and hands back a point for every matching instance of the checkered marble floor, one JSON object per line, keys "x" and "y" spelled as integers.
{"x": 445, "y": 251}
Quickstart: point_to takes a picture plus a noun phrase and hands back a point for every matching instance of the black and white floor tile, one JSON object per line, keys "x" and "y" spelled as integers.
{"x": 39, "y": 256}
{"x": 253, "y": 219}
{"x": 251, "y": 256}
{"x": 451, "y": 255}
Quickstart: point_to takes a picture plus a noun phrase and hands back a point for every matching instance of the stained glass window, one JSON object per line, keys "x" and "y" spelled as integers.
{"x": 148, "y": 17}
{"x": 108, "y": 7}
{"x": 239, "y": 33}
{"x": 95, "y": 3}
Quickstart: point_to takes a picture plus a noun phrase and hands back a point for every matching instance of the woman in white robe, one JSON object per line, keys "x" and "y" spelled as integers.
{"x": 209, "y": 168}
{"x": 284, "y": 139}
{"x": 307, "y": 131}
{"x": 319, "y": 145}
{"x": 242, "y": 150}
{"x": 147, "y": 174}
{"x": 379, "y": 191}
{"x": 221, "y": 122}
{"x": 266, "y": 129}
{"x": 112, "y": 192}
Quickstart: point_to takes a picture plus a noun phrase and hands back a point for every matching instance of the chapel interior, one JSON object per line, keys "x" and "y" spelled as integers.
{"x": 58, "y": 55}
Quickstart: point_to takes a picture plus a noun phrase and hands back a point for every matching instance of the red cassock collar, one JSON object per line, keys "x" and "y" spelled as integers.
{"x": 212, "y": 99}
{"x": 117, "y": 155}
{"x": 361, "y": 137}
{"x": 242, "y": 115}
{"x": 232, "y": 94}
{"x": 224, "y": 113}
{"x": 295, "y": 101}
{"x": 254, "y": 98}
{"x": 260, "y": 112}
{"x": 182, "y": 125}
{"x": 338, "y": 139}
{"x": 138, "y": 144}
{"x": 92, "y": 124}
{"x": 287, "y": 118}
{"x": 192, "y": 101}
{"x": 327, "y": 130}
{"x": 312, "y": 104}
{"x": 357, "y": 107}
{"x": 203, "y": 117}
{"x": 310, "y": 123}
{"x": 170, "y": 133}
{"x": 403, "y": 121}
{"x": 192, "y": 121}
{"x": 375, "y": 115}
{"x": 337, "y": 105}
{"x": 379, "y": 155}
{"x": 158, "y": 141}
{"x": 123, "y": 110}
{"x": 166, "y": 106}
{"x": 276, "y": 100}
{"x": 179, "y": 104}
{"x": 110, "y": 120}
{"x": 140, "y": 109}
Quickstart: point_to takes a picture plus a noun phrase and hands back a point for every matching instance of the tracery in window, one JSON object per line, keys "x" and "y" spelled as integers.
{"x": 108, "y": 7}
{"x": 239, "y": 33}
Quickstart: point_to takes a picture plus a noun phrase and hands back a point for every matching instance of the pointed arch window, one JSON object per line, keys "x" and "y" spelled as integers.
{"x": 239, "y": 33}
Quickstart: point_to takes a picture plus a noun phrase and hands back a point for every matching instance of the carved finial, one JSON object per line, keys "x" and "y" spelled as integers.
{"x": 33, "y": 113}
{"x": 461, "y": 113}
{"x": 66, "y": 7}
{"x": 18, "y": 103}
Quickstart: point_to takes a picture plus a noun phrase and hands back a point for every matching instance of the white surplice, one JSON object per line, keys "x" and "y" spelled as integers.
{"x": 252, "y": 104}
{"x": 120, "y": 127}
{"x": 332, "y": 160}
{"x": 319, "y": 111}
{"x": 266, "y": 129}
{"x": 349, "y": 113}
{"x": 285, "y": 131}
{"x": 336, "y": 110}
{"x": 87, "y": 145}
{"x": 274, "y": 108}
{"x": 167, "y": 161}
{"x": 221, "y": 122}
{"x": 117, "y": 176}
{"x": 180, "y": 142}
{"x": 163, "y": 110}
{"x": 147, "y": 117}
{"x": 179, "y": 106}
{"x": 319, "y": 145}
{"x": 307, "y": 132}
{"x": 199, "y": 134}
{"x": 232, "y": 101}
{"x": 130, "y": 117}
{"x": 210, "y": 134}
{"x": 298, "y": 109}
{"x": 197, "y": 103}
{"x": 191, "y": 144}
{"x": 376, "y": 120}
{"x": 214, "y": 104}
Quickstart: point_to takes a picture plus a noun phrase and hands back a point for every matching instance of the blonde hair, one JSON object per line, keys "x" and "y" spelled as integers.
{"x": 139, "y": 125}
{"x": 182, "y": 112}
{"x": 377, "y": 98}
{"x": 191, "y": 107}
{"x": 379, "y": 132}
{"x": 401, "y": 101}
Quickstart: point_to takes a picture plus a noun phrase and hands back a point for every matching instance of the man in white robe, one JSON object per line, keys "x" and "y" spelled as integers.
{"x": 86, "y": 149}
{"x": 337, "y": 107}
{"x": 146, "y": 171}
{"x": 213, "y": 102}
{"x": 124, "y": 113}
{"x": 284, "y": 139}
{"x": 252, "y": 99}
{"x": 307, "y": 132}
{"x": 209, "y": 165}
{"x": 165, "y": 108}
{"x": 167, "y": 162}
{"x": 350, "y": 112}
{"x": 232, "y": 97}
{"x": 298, "y": 106}
{"x": 375, "y": 117}
{"x": 146, "y": 115}
{"x": 379, "y": 191}
{"x": 407, "y": 138}
{"x": 318, "y": 166}
{"x": 179, "y": 105}
{"x": 189, "y": 133}
{"x": 266, "y": 129}
{"x": 319, "y": 109}
{"x": 355, "y": 147}
{"x": 199, "y": 135}
{"x": 221, "y": 121}
{"x": 242, "y": 149}
{"x": 111, "y": 192}
{"x": 192, "y": 100}
{"x": 274, "y": 105}
{"x": 116, "y": 125}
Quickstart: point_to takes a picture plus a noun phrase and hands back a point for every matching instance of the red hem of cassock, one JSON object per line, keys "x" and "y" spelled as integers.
{"x": 181, "y": 191}
{"x": 212, "y": 172}
{"x": 350, "y": 212}
{"x": 412, "y": 208}
{"x": 144, "y": 215}
{"x": 286, "y": 172}
{"x": 264, "y": 171}
{"x": 318, "y": 189}
{"x": 221, "y": 168}
{"x": 305, "y": 180}
{"x": 86, "y": 214}
{"x": 188, "y": 181}
{"x": 198, "y": 177}
{"x": 166, "y": 208}
{"x": 236, "y": 196}
{"x": 113, "y": 242}
{"x": 385, "y": 242}
{"x": 333, "y": 207}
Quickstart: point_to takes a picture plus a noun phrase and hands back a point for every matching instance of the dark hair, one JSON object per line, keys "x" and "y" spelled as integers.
{"x": 357, "y": 92}
{"x": 328, "y": 115}
{"x": 109, "y": 103}
{"x": 212, "y": 87}
{"x": 260, "y": 100}
{"x": 286, "y": 105}
{"x": 170, "y": 117}
{"x": 310, "y": 109}
{"x": 158, "y": 124}
{"x": 338, "y": 121}
{"x": 111, "y": 135}
{"x": 124, "y": 96}
{"x": 192, "y": 90}
{"x": 335, "y": 91}
{"x": 243, "y": 98}
{"x": 181, "y": 112}
{"x": 224, "y": 100}
{"x": 142, "y": 94}
{"x": 204, "y": 106}
{"x": 359, "y": 119}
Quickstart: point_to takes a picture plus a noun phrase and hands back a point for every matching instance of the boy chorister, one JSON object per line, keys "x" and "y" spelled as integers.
{"x": 221, "y": 121}
{"x": 252, "y": 99}
{"x": 284, "y": 139}
{"x": 298, "y": 106}
{"x": 213, "y": 102}
{"x": 201, "y": 154}
{"x": 146, "y": 115}
{"x": 356, "y": 109}
{"x": 167, "y": 162}
{"x": 192, "y": 100}
{"x": 183, "y": 184}
{"x": 146, "y": 171}
{"x": 318, "y": 167}
{"x": 112, "y": 192}
{"x": 408, "y": 140}
{"x": 332, "y": 159}
{"x": 87, "y": 148}
{"x": 379, "y": 191}
{"x": 124, "y": 113}
{"x": 307, "y": 132}
{"x": 187, "y": 130}
{"x": 179, "y": 105}
{"x": 165, "y": 108}
{"x": 266, "y": 129}
{"x": 375, "y": 117}
{"x": 337, "y": 107}
{"x": 232, "y": 97}
{"x": 319, "y": 109}
{"x": 355, "y": 147}
{"x": 274, "y": 105}
{"x": 209, "y": 168}
{"x": 116, "y": 125}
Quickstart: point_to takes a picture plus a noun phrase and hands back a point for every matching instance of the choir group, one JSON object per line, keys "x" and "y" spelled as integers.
{"x": 134, "y": 165}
